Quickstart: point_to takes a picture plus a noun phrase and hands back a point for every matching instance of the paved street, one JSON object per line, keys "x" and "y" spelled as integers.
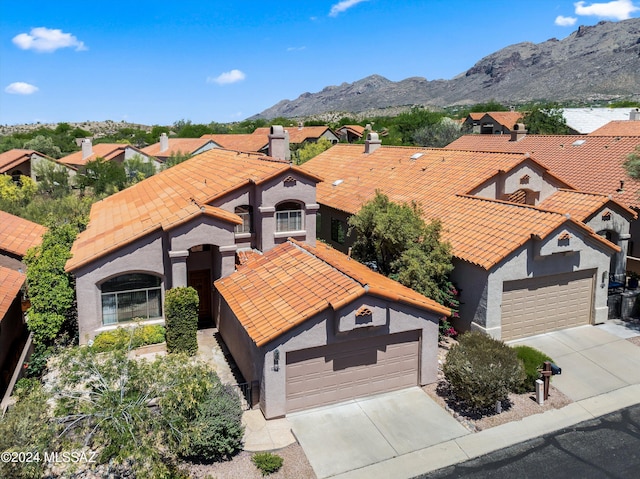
{"x": 605, "y": 447}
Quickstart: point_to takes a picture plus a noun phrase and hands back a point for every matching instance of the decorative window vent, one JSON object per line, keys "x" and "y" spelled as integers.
{"x": 606, "y": 216}
{"x": 289, "y": 181}
{"x": 564, "y": 236}
{"x": 525, "y": 180}
{"x": 364, "y": 311}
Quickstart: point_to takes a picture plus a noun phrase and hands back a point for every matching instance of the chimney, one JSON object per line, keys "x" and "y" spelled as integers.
{"x": 518, "y": 132}
{"x": 87, "y": 148}
{"x": 300, "y": 125}
{"x": 279, "y": 143}
{"x": 372, "y": 143}
{"x": 164, "y": 142}
{"x": 634, "y": 115}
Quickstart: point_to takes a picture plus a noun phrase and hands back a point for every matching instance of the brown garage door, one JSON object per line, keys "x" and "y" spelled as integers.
{"x": 538, "y": 305}
{"x": 338, "y": 372}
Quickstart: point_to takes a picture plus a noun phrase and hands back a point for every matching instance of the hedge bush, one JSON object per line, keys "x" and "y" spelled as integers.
{"x": 482, "y": 370}
{"x": 181, "y": 319}
{"x": 532, "y": 360}
{"x": 121, "y": 338}
{"x": 267, "y": 462}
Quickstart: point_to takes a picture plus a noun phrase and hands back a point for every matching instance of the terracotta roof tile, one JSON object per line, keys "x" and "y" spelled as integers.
{"x": 12, "y": 158}
{"x": 241, "y": 142}
{"x": 481, "y": 231}
{"x": 298, "y": 135}
{"x": 187, "y": 146}
{"x": 580, "y": 205}
{"x": 108, "y": 151}
{"x": 588, "y": 163}
{"x": 10, "y": 284}
{"x": 506, "y": 118}
{"x": 293, "y": 282}
{"x": 618, "y": 128}
{"x": 17, "y": 235}
{"x": 170, "y": 198}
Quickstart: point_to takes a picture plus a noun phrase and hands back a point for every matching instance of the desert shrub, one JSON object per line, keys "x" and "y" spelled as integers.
{"x": 123, "y": 338}
{"x": 532, "y": 360}
{"x": 181, "y": 313}
{"x": 216, "y": 431}
{"x": 26, "y": 427}
{"x": 267, "y": 462}
{"x": 482, "y": 370}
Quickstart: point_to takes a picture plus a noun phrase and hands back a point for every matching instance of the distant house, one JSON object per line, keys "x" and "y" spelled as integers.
{"x": 493, "y": 122}
{"x": 300, "y": 135}
{"x": 351, "y": 133}
{"x": 117, "y": 152}
{"x": 630, "y": 127}
{"x": 588, "y": 163}
{"x": 178, "y": 146}
{"x": 582, "y": 121}
{"x": 525, "y": 262}
{"x": 18, "y": 162}
{"x": 17, "y": 235}
{"x": 249, "y": 142}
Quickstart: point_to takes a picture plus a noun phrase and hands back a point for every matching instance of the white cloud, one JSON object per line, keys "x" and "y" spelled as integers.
{"x": 42, "y": 39}
{"x": 617, "y": 10}
{"x": 225, "y": 78}
{"x": 343, "y": 6}
{"x": 565, "y": 21}
{"x": 21, "y": 88}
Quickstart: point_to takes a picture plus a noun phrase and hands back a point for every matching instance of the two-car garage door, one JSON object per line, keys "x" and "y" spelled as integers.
{"x": 547, "y": 303}
{"x": 343, "y": 371}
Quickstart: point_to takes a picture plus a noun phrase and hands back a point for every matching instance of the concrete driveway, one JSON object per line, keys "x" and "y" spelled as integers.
{"x": 366, "y": 431}
{"x": 593, "y": 361}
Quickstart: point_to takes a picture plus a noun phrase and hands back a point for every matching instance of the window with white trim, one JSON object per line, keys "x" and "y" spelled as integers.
{"x": 289, "y": 217}
{"x": 131, "y": 296}
{"x": 246, "y": 213}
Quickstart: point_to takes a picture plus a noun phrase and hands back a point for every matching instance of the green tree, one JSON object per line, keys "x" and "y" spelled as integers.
{"x": 137, "y": 169}
{"x": 102, "y": 176}
{"x": 310, "y": 150}
{"x": 440, "y": 134}
{"x": 44, "y": 145}
{"x": 546, "y": 119}
{"x": 408, "y": 123}
{"x": 53, "y": 179}
{"x": 394, "y": 240}
{"x": 632, "y": 163}
{"x": 16, "y": 195}
{"x": 175, "y": 158}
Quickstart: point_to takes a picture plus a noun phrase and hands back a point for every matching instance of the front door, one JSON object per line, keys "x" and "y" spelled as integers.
{"x": 201, "y": 281}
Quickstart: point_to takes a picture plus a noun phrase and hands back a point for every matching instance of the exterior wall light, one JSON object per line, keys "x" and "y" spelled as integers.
{"x": 276, "y": 360}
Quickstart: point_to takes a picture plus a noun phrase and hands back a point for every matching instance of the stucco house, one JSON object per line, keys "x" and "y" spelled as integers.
{"x": 117, "y": 152}
{"x": 492, "y": 122}
{"x": 178, "y": 146}
{"x": 299, "y": 135}
{"x": 521, "y": 269}
{"x": 314, "y": 327}
{"x": 351, "y": 133}
{"x": 19, "y": 162}
{"x": 588, "y": 163}
{"x": 183, "y": 227}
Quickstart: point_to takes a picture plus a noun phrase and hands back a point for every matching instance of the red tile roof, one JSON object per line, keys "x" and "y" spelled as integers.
{"x": 481, "y": 231}
{"x": 185, "y": 146}
{"x": 10, "y": 284}
{"x": 241, "y": 142}
{"x": 12, "y": 158}
{"x": 170, "y": 198}
{"x": 108, "y": 151}
{"x": 580, "y": 205}
{"x": 588, "y": 163}
{"x": 299, "y": 135}
{"x": 17, "y": 235}
{"x": 293, "y": 282}
{"x": 618, "y": 128}
{"x": 506, "y": 118}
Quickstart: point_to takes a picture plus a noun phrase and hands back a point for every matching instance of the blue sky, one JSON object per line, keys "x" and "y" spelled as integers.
{"x": 156, "y": 62}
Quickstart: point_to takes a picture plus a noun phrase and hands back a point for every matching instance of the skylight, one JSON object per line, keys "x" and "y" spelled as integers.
{"x": 415, "y": 156}
{"x": 578, "y": 142}
{"x": 337, "y": 182}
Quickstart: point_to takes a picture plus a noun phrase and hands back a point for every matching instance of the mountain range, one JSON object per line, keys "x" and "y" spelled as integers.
{"x": 594, "y": 64}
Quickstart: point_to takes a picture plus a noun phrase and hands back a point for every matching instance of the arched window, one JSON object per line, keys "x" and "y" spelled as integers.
{"x": 246, "y": 213}
{"x": 289, "y": 217}
{"x": 129, "y": 296}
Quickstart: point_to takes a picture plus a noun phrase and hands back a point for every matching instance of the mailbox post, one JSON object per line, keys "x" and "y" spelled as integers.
{"x": 549, "y": 369}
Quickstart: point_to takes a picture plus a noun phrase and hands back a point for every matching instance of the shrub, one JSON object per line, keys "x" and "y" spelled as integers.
{"x": 122, "y": 338}
{"x": 532, "y": 360}
{"x": 482, "y": 370}
{"x": 26, "y": 427}
{"x": 181, "y": 313}
{"x": 216, "y": 432}
{"x": 267, "y": 462}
